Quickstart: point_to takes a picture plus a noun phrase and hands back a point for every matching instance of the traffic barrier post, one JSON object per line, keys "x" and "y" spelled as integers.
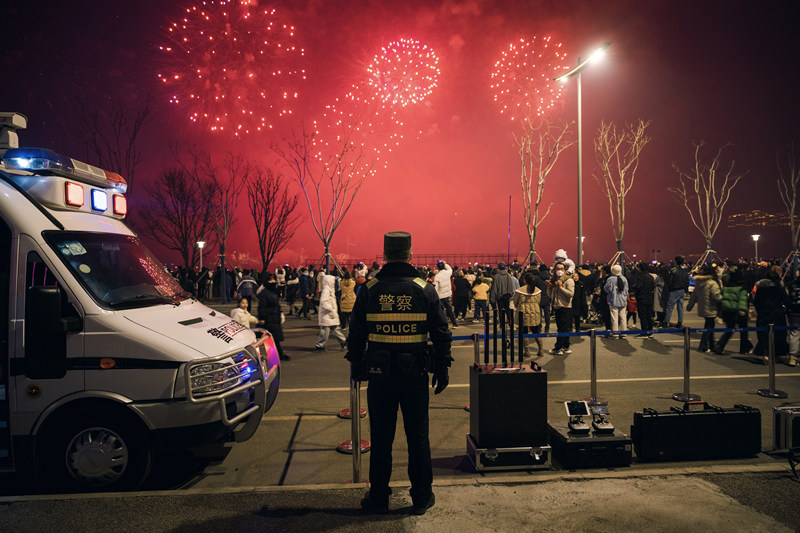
{"x": 593, "y": 399}
{"x": 772, "y": 392}
{"x": 347, "y": 446}
{"x": 686, "y": 396}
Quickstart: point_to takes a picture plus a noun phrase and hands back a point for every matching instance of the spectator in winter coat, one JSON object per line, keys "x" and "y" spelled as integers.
{"x": 526, "y": 301}
{"x": 441, "y": 281}
{"x": 677, "y": 285}
{"x": 328, "y": 315}
{"x": 707, "y": 295}
{"x": 247, "y": 284}
{"x": 305, "y": 293}
{"x": 348, "y": 287}
{"x": 481, "y": 291}
{"x": 461, "y": 295}
{"x": 578, "y": 301}
{"x": 771, "y": 301}
{"x": 542, "y": 277}
{"x": 644, "y": 291}
{"x": 269, "y": 313}
{"x": 794, "y": 320}
{"x": 562, "y": 288}
{"x": 502, "y": 290}
{"x": 733, "y": 310}
{"x": 616, "y": 289}
{"x": 241, "y": 315}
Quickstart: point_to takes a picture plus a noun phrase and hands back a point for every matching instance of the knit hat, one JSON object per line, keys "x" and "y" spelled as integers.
{"x": 616, "y": 270}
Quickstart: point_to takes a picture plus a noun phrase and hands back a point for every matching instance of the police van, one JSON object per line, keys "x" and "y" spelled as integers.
{"x": 104, "y": 358}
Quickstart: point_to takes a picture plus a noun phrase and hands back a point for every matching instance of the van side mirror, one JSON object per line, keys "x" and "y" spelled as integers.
{"x": 45, "y": 334}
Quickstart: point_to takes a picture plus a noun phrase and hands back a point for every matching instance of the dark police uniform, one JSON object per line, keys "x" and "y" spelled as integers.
{"x": 393, "y": 315}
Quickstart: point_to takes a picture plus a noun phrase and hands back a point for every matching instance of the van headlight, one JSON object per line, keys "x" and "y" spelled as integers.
{"x": 214, "y": 377}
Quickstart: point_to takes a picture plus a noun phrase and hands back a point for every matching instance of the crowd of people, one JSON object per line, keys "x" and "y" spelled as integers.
{"x": 619, "y": 297}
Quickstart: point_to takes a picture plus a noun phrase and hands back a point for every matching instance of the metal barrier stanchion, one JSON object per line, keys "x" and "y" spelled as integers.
{"x": 685, "y": 396}
{"x": 346, "y": 446}
{"x": 593, "y": 399}
{"x": 771, "y": 392}
{"x": 486, "y": 337}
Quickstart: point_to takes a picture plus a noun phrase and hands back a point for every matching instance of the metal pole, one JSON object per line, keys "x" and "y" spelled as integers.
{"x": 355, "y": 405}
{"x": 475, "y": 343}
{"x": 511, "y": 337}
{"x": 508, "y": 252}
{"x": 486, "y": 337}
{"x": 685, "y": 396}
{"x": 494, "y": 339}
{"x": 771, "y": 392}
{"x": 580, "y": 172}
{"x": 593, "y": 399}
{"x": 521, "y": 338}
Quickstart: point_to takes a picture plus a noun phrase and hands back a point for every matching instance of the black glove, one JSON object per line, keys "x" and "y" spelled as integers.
{"x": 440, "y": 379}
{"x": 358, "y": 372}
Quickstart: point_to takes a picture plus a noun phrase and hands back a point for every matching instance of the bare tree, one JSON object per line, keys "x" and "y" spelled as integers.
{"x": 618, "y": 154}
{"x": 226, "y": 185}
{"x": 539, "y": 145}
{"x": 704, "y": 191}
{"x": 179, "y": 213}
{"x": 273, "y": 209}
{"x": 330, "y": 177}
{"x": 788, "y": 180}
{"x": 111, "y": 134}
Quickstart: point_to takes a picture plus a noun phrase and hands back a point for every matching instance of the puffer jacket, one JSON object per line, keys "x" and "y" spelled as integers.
{"x": 734, "y": 300}
{"x": 562, "y": 297}
{"x": 348, "y": 287}
{"x": 328, "y": 311}
{"x": 528, "y": 304}
{"x": 707, "y": 295}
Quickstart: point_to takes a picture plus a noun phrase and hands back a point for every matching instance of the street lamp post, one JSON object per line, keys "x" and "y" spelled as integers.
{"x": 563, "y": 78}
{"x": 200, "y": 245}
{"x": 755, "y": 241}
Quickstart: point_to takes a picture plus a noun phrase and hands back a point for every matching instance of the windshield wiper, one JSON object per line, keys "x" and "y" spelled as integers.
{"x": 144, "y": 299}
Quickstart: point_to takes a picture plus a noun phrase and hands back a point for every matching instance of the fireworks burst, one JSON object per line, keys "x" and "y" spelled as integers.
{"x": 371, "y": 116}
{"x": 404, "y": 72}
{"x": 523, "y": 77}
{"x": 232, "y": 66}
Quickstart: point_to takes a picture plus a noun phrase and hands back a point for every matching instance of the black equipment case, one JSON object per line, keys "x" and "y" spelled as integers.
{"x": 508, "y": 418}
{"x": 697, "y": 431}
{"x": 592, "y": 450}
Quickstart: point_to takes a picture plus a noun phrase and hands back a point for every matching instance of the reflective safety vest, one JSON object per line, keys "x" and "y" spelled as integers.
{"x": 397, "y": 314}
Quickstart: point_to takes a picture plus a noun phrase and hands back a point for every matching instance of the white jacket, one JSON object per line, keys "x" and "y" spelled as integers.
{"x": 328, "y": 311}
{"x": 442, "y": 282}
{"x": 243, "y": 317}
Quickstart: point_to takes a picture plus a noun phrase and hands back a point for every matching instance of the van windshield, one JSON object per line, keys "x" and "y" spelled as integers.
{"x": 117, "y": 270}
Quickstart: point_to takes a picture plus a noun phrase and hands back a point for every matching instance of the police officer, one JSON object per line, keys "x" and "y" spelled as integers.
{"x": 394, "y": 314}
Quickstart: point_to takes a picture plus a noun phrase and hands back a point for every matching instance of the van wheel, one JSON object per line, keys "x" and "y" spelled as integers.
{"x": 97, "y": 451}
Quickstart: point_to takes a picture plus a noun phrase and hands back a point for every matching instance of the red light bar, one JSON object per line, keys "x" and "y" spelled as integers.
{"x": 120, "y": 205}
{"x": 73, "y": 194}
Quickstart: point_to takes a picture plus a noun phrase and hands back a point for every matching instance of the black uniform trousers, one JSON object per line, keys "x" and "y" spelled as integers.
{"x": 410, "y": 393}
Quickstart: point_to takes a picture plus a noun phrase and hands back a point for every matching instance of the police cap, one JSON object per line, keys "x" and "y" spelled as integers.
{"x": 396, "y": 243}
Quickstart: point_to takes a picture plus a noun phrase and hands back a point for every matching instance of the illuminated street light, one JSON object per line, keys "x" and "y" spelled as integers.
{"x": 755, "y": 241}
{"x": 597, "y": 54}
{"x": 200, "y": 245}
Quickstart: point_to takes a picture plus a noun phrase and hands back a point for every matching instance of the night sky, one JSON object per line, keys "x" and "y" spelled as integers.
{"x": 713, "y": 71}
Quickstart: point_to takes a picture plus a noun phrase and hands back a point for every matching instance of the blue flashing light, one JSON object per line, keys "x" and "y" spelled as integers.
{"x": 99, "y": 200}
{"x": 36, "y": 159}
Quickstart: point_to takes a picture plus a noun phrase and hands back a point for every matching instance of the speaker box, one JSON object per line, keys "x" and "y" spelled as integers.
{"x": 508, "y": 407}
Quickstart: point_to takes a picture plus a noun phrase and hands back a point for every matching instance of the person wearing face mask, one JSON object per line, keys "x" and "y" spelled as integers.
{"x": 561, "y": 288}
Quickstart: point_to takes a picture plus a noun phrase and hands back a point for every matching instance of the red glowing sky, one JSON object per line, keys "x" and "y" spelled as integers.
{"x": 713, "y": 71}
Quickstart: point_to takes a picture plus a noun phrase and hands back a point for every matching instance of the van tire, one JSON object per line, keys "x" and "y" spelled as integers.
{"x": 96, "y": 450}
